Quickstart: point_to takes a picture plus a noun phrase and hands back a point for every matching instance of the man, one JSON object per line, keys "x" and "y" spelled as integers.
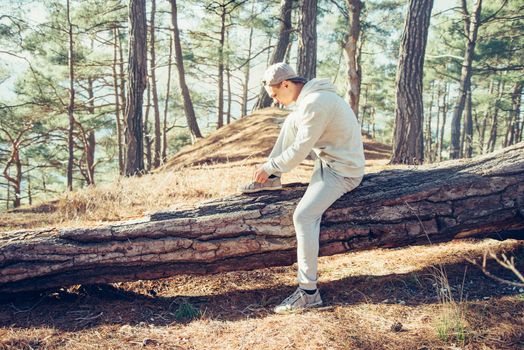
{"x": 323, "y": 125}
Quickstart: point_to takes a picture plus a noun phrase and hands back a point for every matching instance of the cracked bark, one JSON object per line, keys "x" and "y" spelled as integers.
{"x": 481, "y": 197}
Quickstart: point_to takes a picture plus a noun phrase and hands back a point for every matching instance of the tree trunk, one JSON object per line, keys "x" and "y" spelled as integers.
{"x": 488, "y": 114}
{"x": 468, "y": 132}
{"x": 156, "y": 108}
{"x": 29, "y": 187}
{"x": 123, "y": 100}
{"x": 479, "y": 198}
{"x": 90, "y": 156}
{"x": 437, "y": 128}
{"x": 247, "y": 70}
{"x": 462, "y": 138}
{"x": 117, "y": 105}
{"x": 8, "y": 197}
{"x": 228, "y": 82}
{"x": 471, "y": 26}
{"x": 307, "y": 48}
{"x": 513, "y": 124}
{"x": 494, "y": 121}
{"x": 89, "y": 139}
{"x": 14, "y": 157}
{"x": 220, "y": 89}
{"x": 429, "y": 138}
{"x": 444, "y": 115}
{"x": 408, "y": 145}
{"x": 71, "y": 106}
{"x": 188, "y": 104}
{"x": 168, "y": 91}
{"x": 279, "y": 53}
{"x": 516, "y": 101}
{"x": 354, "y": 72}
{"x": 137, "y": 81}
{"x": 479, "y": 128}
{"x": 364, "y": 109}
{"x": 18, "y": 187}
{"x": 147, "y": 130}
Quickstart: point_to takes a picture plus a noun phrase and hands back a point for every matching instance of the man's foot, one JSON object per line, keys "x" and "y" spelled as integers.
{"x": 298, "y": 301}
{"x": 270, "y": 184}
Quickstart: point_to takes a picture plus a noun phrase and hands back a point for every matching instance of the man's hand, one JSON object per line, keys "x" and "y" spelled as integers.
{"x": 260, "y": 175}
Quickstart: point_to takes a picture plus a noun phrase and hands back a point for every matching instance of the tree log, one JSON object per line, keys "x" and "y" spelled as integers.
{"x": 481, "y": 197}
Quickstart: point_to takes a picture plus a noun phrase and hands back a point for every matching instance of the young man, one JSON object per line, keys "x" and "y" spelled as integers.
{"x": 323, "y": 125}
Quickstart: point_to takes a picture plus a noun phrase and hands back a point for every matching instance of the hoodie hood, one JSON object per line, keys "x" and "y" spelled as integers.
{"x": 316, "y": 85}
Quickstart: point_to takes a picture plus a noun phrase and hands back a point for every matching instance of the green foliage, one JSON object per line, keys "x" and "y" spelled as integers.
{"x": 186, "y": 312}
{"x": 451, "y": 327}
{"x": 178, "y": 141}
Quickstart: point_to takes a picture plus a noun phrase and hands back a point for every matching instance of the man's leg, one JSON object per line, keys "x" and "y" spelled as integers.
{"x": 324, "y": 189}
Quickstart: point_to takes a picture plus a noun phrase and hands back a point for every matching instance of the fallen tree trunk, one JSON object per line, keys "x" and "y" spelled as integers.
{"x": 457, "y": 199}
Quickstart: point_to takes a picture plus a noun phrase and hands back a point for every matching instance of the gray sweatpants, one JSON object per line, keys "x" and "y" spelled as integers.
{"x": 324, "y": 188}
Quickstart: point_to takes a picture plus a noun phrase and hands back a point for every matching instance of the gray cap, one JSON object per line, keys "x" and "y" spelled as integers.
{"x": 279, "y": 72}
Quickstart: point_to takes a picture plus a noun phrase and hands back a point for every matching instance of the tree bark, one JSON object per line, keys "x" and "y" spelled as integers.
{"x": 279, "y": 53}
{"x": 192, "y": 124}
{"x": 307, "y": 48}
{"x": 480, "y": 197}
{"x": 408, "y": 144}
{"x": 471, "y": 26}
{"x": 137, "y": 80}
{"x": 354, "y": 72}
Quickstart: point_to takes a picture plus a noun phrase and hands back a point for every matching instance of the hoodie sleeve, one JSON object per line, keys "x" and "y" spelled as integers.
{"x": 311, "y": 123}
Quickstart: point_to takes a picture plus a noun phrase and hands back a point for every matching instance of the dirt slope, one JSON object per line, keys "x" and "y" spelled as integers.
{"x": 247, "y": 139}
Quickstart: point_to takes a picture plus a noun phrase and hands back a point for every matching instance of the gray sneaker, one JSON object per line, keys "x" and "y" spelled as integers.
{"x": 298, "y": 301}
{"x": 270, "y": 185}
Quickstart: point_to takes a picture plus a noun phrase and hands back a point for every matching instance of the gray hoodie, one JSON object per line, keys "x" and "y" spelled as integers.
{"x": 327, "y": 126}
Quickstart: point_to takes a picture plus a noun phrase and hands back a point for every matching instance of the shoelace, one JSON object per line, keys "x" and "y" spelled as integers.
{"x": 293, "y": 297}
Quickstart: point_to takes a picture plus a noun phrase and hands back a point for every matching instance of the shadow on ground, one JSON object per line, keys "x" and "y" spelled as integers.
{"x": 85, "y": 307}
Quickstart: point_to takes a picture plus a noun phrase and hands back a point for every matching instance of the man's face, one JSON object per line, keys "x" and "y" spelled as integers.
{"x": 281, "y": 92}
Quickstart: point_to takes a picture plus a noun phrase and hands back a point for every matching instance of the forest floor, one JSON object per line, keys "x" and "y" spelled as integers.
{"x": 417, "y": 297}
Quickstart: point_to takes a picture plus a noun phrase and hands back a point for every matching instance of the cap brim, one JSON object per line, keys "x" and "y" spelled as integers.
{"x": 298, "y": 80}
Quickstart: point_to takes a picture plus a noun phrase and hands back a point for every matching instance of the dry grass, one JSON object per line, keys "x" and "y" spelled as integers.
{"x": 128, "y": 198}
{"x": 418, "y": 297}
